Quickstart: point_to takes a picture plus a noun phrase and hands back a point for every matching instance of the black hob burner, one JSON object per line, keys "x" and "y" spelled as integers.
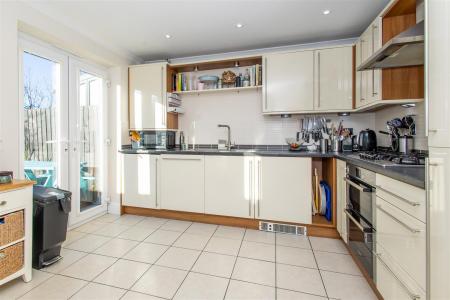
{"x": 386, "y": 157}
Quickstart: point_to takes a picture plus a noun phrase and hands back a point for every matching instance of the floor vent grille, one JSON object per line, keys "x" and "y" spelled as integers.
{"x": 282, "y": 228}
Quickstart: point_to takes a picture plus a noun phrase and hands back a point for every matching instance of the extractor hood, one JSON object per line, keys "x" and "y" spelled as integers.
{"x": 405, "y": 49}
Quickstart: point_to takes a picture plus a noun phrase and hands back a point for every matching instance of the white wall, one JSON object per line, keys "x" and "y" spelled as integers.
{"x": 243, "y": 112}
{"x": 397, "y": 111}
{"x": 18, "y": 17}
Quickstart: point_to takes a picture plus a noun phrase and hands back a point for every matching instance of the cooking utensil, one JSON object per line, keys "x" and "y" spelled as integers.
{"x": 406, "y": 144}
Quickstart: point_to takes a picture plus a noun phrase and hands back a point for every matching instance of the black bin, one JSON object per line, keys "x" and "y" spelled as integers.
{"x": 51, "y": 208}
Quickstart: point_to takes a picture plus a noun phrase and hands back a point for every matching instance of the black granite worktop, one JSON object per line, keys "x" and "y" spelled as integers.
{"x": 411, "y": 175}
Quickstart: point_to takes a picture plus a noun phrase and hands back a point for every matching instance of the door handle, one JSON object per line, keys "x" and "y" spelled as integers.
{"x": 250, "y": 192}
{"x": 413, "y": 230}
{"x": 259, "y": 187}
{"x": 318, "y": 78}
{"x": 412, "y": 203}
{"x": 357, "y": 186}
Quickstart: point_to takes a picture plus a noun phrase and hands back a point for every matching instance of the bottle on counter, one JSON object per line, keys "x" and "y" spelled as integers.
{"x": 238, "y": 80}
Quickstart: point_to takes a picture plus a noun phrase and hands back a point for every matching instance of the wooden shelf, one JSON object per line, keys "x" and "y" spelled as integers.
{"x": 232, "y": 89}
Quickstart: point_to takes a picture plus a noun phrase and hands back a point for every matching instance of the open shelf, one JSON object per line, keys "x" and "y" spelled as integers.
{"x": 231, "y": 89}
{"x": 326, "y": 170}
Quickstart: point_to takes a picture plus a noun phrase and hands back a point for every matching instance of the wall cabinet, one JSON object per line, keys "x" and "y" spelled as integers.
{"x": 229, "y": 186}
{"x": 368, "y": 83}
{"x": 182, "y": 183}
{"x": 147, "y": 96}
{"x": 283, "y": 189}
{"x": 341, "y": 201}
{"x": 139, "y": 180}
{"x": 333, "y": 82}
{"x": 289, "y": 82}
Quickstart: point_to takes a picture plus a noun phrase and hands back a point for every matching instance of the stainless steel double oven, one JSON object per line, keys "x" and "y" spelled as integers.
{"x": 360, "y": 212}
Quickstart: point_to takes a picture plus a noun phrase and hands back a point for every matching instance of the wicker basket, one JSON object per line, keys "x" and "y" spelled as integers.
{"x": 11, "y": 260}
{"x": 11, "y": 227}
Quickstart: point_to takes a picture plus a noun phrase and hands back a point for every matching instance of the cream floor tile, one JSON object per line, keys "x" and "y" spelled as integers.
{"x": 255, "y": 271}
{"x": 111, "y": 229}
{"x": 192, "y": 241}
{"x": 17, "y": 287}
{"x": 129, "y": 220}
{"x": 292, "y": 240}
{"x": 343, "y": 286}
{"x": 257, "y": 251}
{"x": 146, "y": 252}
{"x": 179, "y": 258}
{"x": 73, "y": 236}
{"x": 200, "y": 286}
{"x": 230, "y": 232}
{"x": 296, "y": 256}
{"x": 291, "y": 295}
{"x": 89, "y": 267}
{"x": 335, "y": 262}
{"x": 176, "y": 225}
{"x": 130, "y": 295}
{"x": 259, "y": 236}
{"x": 122, "y": 274}
{"x": 160, "y": 281}
{"x": 90, "y": 227}
{"x": 94, "y": 291}
{"x": 57, "y": 287}
{"x": 223, "y": 246}
{"x": 300, "y": 279}
{"x": 88, "y": 243}
{"x": 108, "y": 218}
{"x": 215, "y": 264}
{"x": 68, "y": 258}
{"x": 151, "y": 222}
{"x": 328, "y": 245}
{"x": 202, "y": 229}
{"x": 163, "y": 237}
{"x": 136, "y": 233}
{"x": 116, "y": 247}
{"x": 239, "y": 290}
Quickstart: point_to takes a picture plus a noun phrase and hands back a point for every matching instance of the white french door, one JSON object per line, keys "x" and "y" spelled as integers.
{"x": 63, "y": 125}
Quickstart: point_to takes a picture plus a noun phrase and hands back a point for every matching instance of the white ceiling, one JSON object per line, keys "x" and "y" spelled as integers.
{"x": 200, "y": 27}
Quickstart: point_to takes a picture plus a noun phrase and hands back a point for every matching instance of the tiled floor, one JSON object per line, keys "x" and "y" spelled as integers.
{"x": 133, "y": 257}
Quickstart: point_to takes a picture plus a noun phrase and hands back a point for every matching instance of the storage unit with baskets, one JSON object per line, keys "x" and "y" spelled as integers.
{"x": 16, "y": 205}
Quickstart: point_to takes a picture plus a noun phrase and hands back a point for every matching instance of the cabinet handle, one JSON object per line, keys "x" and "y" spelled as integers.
{"x": 259, "y": 187}
{"x": 412, "y": 295}
{"x": 183, "y": 158}
{"x": 250, "y": 192}
{"x": 3, "y": 202}
{"x": 413, "y": 230}
{"x": 412, "y": 203}
{"x": 318, "y": 81}
{"x": 265, "y": 83}
{"x": 162, "y": 98}
{"x": 156, "y": 179}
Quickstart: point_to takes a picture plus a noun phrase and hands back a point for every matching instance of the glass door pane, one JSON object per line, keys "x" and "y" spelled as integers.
{"x": 90, "y": 143}
{"x": 42, "y": 131}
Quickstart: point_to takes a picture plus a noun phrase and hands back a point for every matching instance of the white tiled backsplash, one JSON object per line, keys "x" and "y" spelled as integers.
{"x": 388, "y": 113}
{"x": 243, "y": 112}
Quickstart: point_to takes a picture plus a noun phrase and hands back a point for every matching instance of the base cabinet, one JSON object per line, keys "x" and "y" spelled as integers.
{"x": 341, "y": 193}
{"x": 228, "y": 186}
{"x": 284, "y": 189}
{"x": 182, "y": 183}
{"x": 139, "y": 180}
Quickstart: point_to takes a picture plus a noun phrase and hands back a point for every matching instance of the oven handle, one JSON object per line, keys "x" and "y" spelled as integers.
{"x": 357, "y": 186}
{"x": 354, "y": 220}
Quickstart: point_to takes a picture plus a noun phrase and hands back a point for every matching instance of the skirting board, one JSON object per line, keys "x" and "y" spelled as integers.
{"x": 313, "y": 230}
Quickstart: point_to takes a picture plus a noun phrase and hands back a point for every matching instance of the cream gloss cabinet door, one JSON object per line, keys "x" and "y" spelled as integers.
{"x": 438, "y": 69}
{"x": 182, "y": 182}
{"x": 147, "y": 96}
{"x": 283, "y": 189}
{"x": 289, "y": 82}
{"x": 374, "y": 90}
{"x": 341, "y": 201}
{"x": 139, "y": 180}
{"x": 439, "y": 222}
{"x": 333, "y": 82}
{"x": 229, "y": 186}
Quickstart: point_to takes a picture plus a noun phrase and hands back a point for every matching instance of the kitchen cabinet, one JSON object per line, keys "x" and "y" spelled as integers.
{"x": 147, "y": 96}
{"x": 368, "y": 83}
{"x": 333, "y": 82}
{"x": 284, "y": 189}
{"x": 139, "y": 180}
{"x": 341, "y": 201}
{"x": 288, "y": 82}
{"x": 182, "y": 183}
{"x": 439, "y": 222}
{"x": 438, "y": 81}
{"x": 229, "y": 183}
